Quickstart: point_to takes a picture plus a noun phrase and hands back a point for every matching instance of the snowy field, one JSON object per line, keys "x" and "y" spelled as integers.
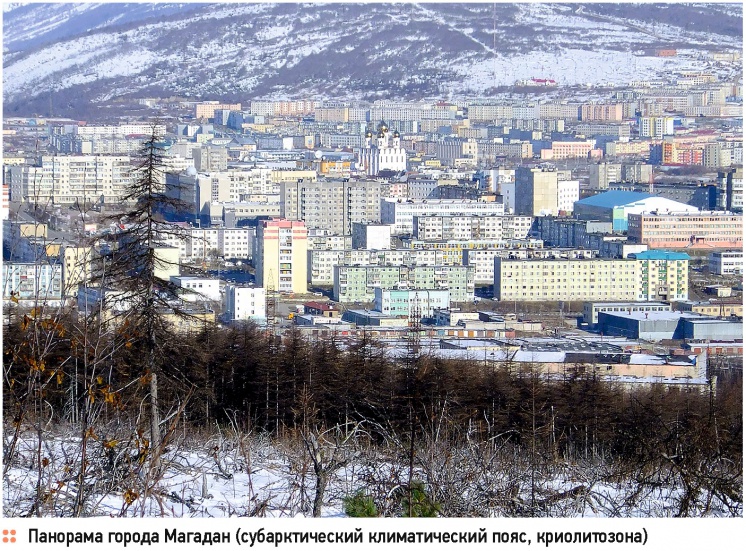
{"x": 230, "y": 475}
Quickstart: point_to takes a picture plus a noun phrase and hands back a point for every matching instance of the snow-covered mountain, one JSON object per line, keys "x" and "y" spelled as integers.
{"x": 80, "y": 53}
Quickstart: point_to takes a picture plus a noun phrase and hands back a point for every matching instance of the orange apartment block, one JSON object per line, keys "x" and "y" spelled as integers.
{"x": 602, "y": 112}
{"x": 677, "y": 153}
{"x": 207, "y": 110}
{"x": 701, "y": 230}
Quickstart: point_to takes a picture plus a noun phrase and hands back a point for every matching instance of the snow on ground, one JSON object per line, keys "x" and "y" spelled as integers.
{"x": 554, "y": 55}
{"x": 567, "y": 67}
{"x": 226, "y": 476}
{"x": 199, "y": 482}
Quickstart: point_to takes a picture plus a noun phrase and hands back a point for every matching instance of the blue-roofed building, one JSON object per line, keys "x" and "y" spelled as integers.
{"x": 615, "y": 206}
{"x": 660, "y": 255}
{"x": 664, "y": 274}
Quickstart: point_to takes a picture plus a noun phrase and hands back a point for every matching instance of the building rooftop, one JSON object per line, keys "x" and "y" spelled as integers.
{"x": 653, "y": 316}
{"x": 708, "y": 320}
{"x": 725, "y": 301}
{"x": 491, "y": 356}
{"x": 699, "y": 213}
{"x": 627, "y": 304}
{"x": 543, "y": 344}
{"x": 322, "y": 306}
{"x": 615, "y": 198}
{"x": 370, "y": 314}
{"x": 660, "y": 255}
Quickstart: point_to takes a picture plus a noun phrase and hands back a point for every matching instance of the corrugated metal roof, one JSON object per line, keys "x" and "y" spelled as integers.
{"x": 615, "y": 198}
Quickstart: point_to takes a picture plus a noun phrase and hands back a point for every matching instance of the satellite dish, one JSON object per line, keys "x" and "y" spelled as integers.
{"x": 318, "y": 154}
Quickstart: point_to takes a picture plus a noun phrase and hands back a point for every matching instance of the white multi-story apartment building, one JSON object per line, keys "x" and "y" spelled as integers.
{"x": 103, "y": 139}
{"x": 726, "y": 262}
{"x": 68, "y": 179}
{"x": 566, "y": 280}
{"x": 358, "y": 283}
{"x": 371, "y": 236}
{"x": 202, "y": 288}
{"x": 655, "y": 127}
{"x": 248, "y": 193}
{"x": 69, "y": 143}
{"x": 651, "y": 275}
{"x": 452, "y": 251}
{"x": 202, "y": 244}
{"x": 197, "y": 245}
{"x": 405, "y": 111}
{"x": 320, "y": 239}
{"x": 237, "y": 185}
{"x": 32, "y": 283}
{"x": 245, "y": 303}
{"x": 109, "y": 131}
{"x": 437, "y": 228}
{"x": 210, "y": 158}
{"x": 603, "y": 174}
{"x": 400, "y": 214}
{"x": 559, "y": 110}
{"x": 332, "y": 205}
{"x": 494, "y": 178}
{"x": 483, "y": 260}
{"x": 236, "y": 242}
{"x": 321, "y": 263}
{"x": 492, "y": 112}
{"x": 516, "y": 227}
{"x": 568, "y": 191}
{"x": 619, "y": 131}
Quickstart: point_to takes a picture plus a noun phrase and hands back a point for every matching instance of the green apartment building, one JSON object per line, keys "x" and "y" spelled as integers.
{"x": 358, "y": 283}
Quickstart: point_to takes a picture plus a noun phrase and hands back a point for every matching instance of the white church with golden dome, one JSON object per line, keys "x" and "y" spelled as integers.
{"x": 384, "y": 153}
